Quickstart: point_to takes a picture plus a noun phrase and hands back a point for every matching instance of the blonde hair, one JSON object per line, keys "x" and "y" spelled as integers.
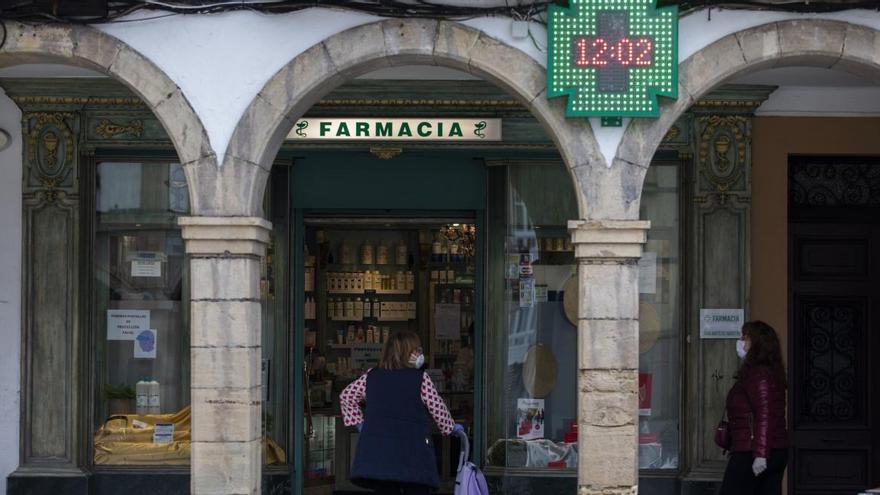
{"x": 398, "y": 349}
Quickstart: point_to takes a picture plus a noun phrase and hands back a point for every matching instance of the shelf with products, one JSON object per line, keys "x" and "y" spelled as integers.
{"x": 368, "y": 292}
{"x": 364, "y": 320}
{"x": 355, "y": 282}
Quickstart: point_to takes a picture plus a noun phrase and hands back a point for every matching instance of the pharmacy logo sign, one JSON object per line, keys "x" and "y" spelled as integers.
{"x": 612, "y": 58}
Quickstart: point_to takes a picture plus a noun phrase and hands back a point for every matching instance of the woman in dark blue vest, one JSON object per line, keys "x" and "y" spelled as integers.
{"x": 395, "y": 454}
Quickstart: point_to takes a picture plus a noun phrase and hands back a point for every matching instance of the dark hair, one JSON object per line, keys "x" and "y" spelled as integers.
{"x": 397, "y": 350}
{"x": 764, "y": 350}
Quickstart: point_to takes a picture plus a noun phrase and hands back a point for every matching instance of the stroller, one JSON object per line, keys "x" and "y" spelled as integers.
{"x": 469, "y": 480}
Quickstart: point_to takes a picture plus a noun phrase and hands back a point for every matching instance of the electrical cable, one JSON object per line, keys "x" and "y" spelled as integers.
{"x": 531, "y": 12}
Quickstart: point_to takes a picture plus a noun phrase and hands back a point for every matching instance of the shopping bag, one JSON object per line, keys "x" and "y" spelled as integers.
{"x": 469, "y": 480}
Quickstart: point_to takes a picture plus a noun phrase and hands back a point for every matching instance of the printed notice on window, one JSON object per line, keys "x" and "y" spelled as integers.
{"x": 721, "y": 323}
{"x": 163, "y": 433}
{"x": 447, "y": 321}
{"x": 146, "y": 268}
{"x": 648, "y": 273}
{"x": 126, "y": 324}
{"x": 146, "y": 263}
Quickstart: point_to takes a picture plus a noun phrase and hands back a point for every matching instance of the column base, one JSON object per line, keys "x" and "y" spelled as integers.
{"x": 29, "y": 482}
{"x": 623, "y": 490}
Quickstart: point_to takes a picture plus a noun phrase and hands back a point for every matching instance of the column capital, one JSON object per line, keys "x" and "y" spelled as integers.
{"x": 608, "y": 239}
{"x": 225, "y": 235}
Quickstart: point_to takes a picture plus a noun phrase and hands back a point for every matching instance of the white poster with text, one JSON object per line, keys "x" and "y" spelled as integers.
{"x": 126, "y": 324}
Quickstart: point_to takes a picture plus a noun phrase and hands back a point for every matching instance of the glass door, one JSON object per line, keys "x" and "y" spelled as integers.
{"x": 363, "y": 279}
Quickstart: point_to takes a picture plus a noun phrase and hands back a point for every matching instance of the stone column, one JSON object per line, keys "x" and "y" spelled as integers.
{"x": 607, "y": 252}
{"x": 226, "y": 353}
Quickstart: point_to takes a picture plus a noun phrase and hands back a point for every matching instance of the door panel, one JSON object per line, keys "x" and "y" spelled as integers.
{"x": 834, "y": 303}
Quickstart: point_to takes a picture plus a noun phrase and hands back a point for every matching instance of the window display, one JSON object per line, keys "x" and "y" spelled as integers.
{"x": 140, "y": 296}
{"x": 660, "y": 321}
{"x": 362, "y": 283}
{"x": 532, "y": 399}
{"x": 532, "y": 320}
{"x": 141, "y": 314}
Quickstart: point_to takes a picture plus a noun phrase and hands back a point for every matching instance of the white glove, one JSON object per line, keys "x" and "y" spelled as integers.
{"x": 759, "y": 466}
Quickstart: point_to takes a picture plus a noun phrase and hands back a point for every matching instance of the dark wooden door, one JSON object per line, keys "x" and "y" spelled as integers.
{"x": 834, "y": 334}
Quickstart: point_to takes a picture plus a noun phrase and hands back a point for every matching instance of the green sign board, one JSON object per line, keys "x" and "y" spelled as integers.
{"x": 612, "y": 58}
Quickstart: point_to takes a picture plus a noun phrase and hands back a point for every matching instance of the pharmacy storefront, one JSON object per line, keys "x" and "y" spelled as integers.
{"x": 452, "y": 227}
{"x": 195, "y": 321}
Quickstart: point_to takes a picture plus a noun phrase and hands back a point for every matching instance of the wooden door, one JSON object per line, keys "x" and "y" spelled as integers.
{"x": 834, "y": 336}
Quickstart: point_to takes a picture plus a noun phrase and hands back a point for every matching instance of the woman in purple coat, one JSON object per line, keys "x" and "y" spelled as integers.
{"x": 756, "y": 416}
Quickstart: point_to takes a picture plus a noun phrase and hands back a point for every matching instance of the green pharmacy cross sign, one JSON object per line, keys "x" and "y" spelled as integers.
{"x": 612, "y": 57}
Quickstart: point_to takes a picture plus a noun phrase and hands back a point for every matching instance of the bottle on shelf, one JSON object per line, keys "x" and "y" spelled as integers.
{"x": 346, "y": 253}
{"x": 367, "y": 253}
{"x": 436, "y": 249}
{"x": 402, "y": 253}
{"x": 358, "y": 310}
{"x": 142, "y": 396}
{"x": 382, "y": 253}
{"x": 153, "y": 391}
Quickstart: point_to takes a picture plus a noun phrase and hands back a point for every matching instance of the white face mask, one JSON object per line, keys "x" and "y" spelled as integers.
{"x": 418, "y": 361}
{"x": 741, "y": 349}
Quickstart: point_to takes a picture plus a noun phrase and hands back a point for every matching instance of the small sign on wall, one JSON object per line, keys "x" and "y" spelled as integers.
{"x": 721, "y": 323}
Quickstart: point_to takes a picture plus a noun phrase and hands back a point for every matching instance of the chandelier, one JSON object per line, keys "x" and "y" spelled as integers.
{"x": 464, "y": 235}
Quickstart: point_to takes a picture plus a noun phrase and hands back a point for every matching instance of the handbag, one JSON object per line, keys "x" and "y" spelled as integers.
{"x": 722, "y": 433}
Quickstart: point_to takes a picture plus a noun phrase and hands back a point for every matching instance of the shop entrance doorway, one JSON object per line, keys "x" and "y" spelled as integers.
{"x": 382, "y": 247}
{"x": 834, "y": 305}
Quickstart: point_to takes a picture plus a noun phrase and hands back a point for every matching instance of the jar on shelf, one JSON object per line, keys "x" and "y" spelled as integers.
{"x": 367, "y": 253}
{"x": 382, "y": 253}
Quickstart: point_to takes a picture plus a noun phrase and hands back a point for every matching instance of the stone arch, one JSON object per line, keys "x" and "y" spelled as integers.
{"x": 87, "y": 47}
{"x": 315, "y": 72}
{"x": 807, "y": 42}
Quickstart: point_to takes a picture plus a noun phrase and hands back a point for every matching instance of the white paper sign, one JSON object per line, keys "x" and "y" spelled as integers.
{"x": 146, "y": 268}
{"x": 529, "y": 418}
{"x": 541, "y": 293}
{"x": 364, "y": 355}
{"x": 163, "y": 433}
{"x": 126, "y": 324}
{"x": 526, "y": 292}
{"x": 648, "y": 273}
{"x": 721, "y": 323}
{"x": 447, "y": 321}
{"x": 145, "y": 344}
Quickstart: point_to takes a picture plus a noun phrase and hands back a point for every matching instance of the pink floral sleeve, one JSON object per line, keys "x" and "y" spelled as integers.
{"x": 350, "y": 401}
{"x": 436, "y": 406}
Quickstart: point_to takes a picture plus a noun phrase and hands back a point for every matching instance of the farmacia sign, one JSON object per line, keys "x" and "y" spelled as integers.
{"x": 396, "y": 129}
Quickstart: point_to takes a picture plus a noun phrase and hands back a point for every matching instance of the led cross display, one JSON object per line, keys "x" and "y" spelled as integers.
{"x": 612, "y": 58}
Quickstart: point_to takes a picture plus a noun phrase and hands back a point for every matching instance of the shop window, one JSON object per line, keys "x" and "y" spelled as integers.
{"x": 141, "y": 314}
{"x": 660, "y": 321}
{"x": 532, "y": 320}
{"x": 276, "y": 334}
{"x": 532, "y": 332}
